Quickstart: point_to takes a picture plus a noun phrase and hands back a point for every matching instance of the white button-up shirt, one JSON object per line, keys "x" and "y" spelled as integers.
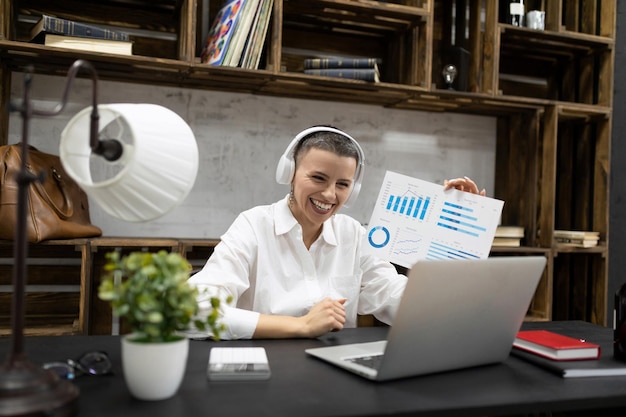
{"x": 263, "y": 264}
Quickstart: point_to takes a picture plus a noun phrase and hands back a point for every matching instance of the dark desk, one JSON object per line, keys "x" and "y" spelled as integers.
{"x": 302, "y": 386}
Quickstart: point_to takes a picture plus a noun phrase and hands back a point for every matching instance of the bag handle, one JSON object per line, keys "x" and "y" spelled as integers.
{"x": 58, "y": 179}
{"x": 44, "y": 194}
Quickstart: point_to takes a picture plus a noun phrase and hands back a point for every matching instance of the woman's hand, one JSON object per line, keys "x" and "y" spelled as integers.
{"x": 463, "y": 184}
{"x": 328, "y": 315}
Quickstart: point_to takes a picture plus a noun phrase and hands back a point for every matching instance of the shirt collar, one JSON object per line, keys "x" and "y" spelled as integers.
{"x": 284, "y": 222}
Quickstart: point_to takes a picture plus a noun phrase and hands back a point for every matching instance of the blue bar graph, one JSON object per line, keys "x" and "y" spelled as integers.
{"x": 409, "y": 206}
{"x": 460, "y": 219}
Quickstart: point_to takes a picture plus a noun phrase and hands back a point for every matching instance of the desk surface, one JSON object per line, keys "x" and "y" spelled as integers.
{"x": 303, "y": 386}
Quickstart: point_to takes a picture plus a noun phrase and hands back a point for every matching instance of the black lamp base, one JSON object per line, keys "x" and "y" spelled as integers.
{"x": 28, "y": 390}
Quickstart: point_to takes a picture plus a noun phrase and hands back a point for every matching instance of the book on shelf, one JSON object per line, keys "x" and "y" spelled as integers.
{"x": 576, "y": 243}
{"x": 509, "y": 231}
{"x": 57, "y": 26}
{"x": 576, "y": 234}
{"x": 511, "y": 242}
{"x": 241, "y": 33}
{"x": 555, "y": 346}
{"x": 509, "y": 236}
{"x": 365, "y": 74}
{"x": 88, "y": 44}
{"x": 322, "y": 63}
{"x": 254, "y": 46}
{"x": 221, "y": 33}
{"x": 576, "y": 238}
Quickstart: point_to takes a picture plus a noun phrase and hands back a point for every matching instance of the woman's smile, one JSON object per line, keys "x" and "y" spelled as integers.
{"x": 320, "y": 206}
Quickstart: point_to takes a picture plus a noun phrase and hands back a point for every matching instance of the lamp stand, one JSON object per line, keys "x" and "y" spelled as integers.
{"x": 27, "y": 389}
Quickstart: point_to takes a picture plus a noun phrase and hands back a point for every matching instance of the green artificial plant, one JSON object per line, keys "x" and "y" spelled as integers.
{"x": 154, "y": 297}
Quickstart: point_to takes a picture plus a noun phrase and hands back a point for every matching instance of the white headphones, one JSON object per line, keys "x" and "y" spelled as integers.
{"x": 287, "y": 166}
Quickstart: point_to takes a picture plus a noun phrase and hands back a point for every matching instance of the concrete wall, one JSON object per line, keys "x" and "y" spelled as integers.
{"x": 242, "y": 136}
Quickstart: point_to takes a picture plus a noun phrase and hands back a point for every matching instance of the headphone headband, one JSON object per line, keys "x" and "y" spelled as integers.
{"x": 287, "y": 166}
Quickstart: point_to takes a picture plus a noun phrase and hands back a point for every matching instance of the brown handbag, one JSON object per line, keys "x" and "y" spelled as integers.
{"x": 57, "y": 207}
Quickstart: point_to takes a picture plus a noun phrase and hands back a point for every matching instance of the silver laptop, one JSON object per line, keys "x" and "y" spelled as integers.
{"x": 453, "y": 314}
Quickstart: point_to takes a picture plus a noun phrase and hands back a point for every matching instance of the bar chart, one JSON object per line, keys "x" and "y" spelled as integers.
{"x": 415, "y": 206}
{"x": 415, "y": 219}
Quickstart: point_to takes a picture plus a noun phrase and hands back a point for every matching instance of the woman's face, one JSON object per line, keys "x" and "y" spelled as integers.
{"x": 321, "y": 184}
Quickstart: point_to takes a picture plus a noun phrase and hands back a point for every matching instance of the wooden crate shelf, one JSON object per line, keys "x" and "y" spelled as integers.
{"x": 551, "y": 92}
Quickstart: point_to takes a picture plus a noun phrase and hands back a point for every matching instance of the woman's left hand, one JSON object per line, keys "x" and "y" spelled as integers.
{"x": 463, "y": 184}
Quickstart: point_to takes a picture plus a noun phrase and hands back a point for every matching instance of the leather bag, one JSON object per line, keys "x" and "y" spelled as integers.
{"x": 57, "y": 207}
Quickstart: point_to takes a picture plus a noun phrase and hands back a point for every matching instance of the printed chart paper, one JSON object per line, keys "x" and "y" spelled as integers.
{"x": 415, "y": 219}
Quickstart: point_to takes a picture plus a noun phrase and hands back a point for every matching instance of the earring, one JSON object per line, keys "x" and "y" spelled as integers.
{"x": 291, "y": 198}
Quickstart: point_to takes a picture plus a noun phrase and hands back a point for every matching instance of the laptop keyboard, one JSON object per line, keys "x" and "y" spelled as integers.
{"x": 372, "y": 361}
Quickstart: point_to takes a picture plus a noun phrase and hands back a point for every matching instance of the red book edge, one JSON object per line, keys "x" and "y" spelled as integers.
{"x": 555, "y": 341}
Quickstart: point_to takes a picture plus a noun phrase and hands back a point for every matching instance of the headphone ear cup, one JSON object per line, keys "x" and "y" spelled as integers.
{"x": 285, "y": 170}
{"x": 354, "y": 194}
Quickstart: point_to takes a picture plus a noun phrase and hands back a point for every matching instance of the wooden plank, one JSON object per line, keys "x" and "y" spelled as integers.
{"x": 565, "y": 216}
{"x": 423, "y": 52}
{"x": 126, "y": 15}
{"x": 475, "y": 45}
{"x": 45, "y": 275}
{"x": 517, "y": 170}
{"x": 601, "y": 173}
{"x": 196, "y": 251}
{"x": 588, "y": 16}
{"x": 582, "y": 187}
{"x": 376, "y": 9}
{"x": 86, "y": 290}
{"x": 187, "y": 30}
{"x": 599, "y": 301}
{"x": 571, "y": 12}
{"x": 274, "y": 49}
{"x": 541, "y": 304}
{"x": 608, "y": 18}
{"x": 6, "y": 15}
{"x": 5, "y": 97}
{"x": 554, "y": 11}
{"x": 548, "y": 176}
{"x": 561, "y": 284}
{"x": 203, "y": 24}
{"x": 586, "y": 80}
{"x": 133, "y": 243}
{"x": 604, "y": 78}
{"x": 491, "y": 50}
{"x": 600, "y": 215}
{"x": 43, "y": 304}
{"x": 579, "y": 287}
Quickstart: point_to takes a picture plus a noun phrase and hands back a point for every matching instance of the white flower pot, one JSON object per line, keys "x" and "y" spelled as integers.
{"x": 154, "y": 371}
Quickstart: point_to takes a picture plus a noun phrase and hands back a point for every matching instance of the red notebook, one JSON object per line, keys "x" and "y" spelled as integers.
{"x": 555, "y": 346}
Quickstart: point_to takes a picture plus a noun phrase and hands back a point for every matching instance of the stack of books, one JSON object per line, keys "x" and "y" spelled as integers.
{"x": 63, "y": 33}
{"x": 510, "y": 236}
{"x": 365, "y": 69}
{"x": 237, "y": 35}
{"x": 576, "y": 238}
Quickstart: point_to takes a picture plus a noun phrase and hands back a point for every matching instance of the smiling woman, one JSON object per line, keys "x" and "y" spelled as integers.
{"x": 322, "y": 182}
{"x": 296, "y": 268}
{"x": 321, "y": 185}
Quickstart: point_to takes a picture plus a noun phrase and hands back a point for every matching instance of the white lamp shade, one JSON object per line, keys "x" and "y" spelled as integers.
{"x": 157, "y": 169}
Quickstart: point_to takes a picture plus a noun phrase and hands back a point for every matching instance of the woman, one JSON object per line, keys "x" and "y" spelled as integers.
{"x": 295, "y": 268}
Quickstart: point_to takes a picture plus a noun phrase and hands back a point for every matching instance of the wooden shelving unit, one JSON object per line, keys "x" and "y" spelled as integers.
{"x": 551, "y": 92}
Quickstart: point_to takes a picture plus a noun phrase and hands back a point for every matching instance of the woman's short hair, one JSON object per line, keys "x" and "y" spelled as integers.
{"x": 327, "y": 141}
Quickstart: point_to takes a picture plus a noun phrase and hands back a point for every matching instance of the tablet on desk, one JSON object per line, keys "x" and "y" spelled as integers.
{"x": 238, "y": 364}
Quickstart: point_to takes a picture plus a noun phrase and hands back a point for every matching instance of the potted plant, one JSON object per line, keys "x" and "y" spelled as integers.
{"x": 151, "y": 293}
